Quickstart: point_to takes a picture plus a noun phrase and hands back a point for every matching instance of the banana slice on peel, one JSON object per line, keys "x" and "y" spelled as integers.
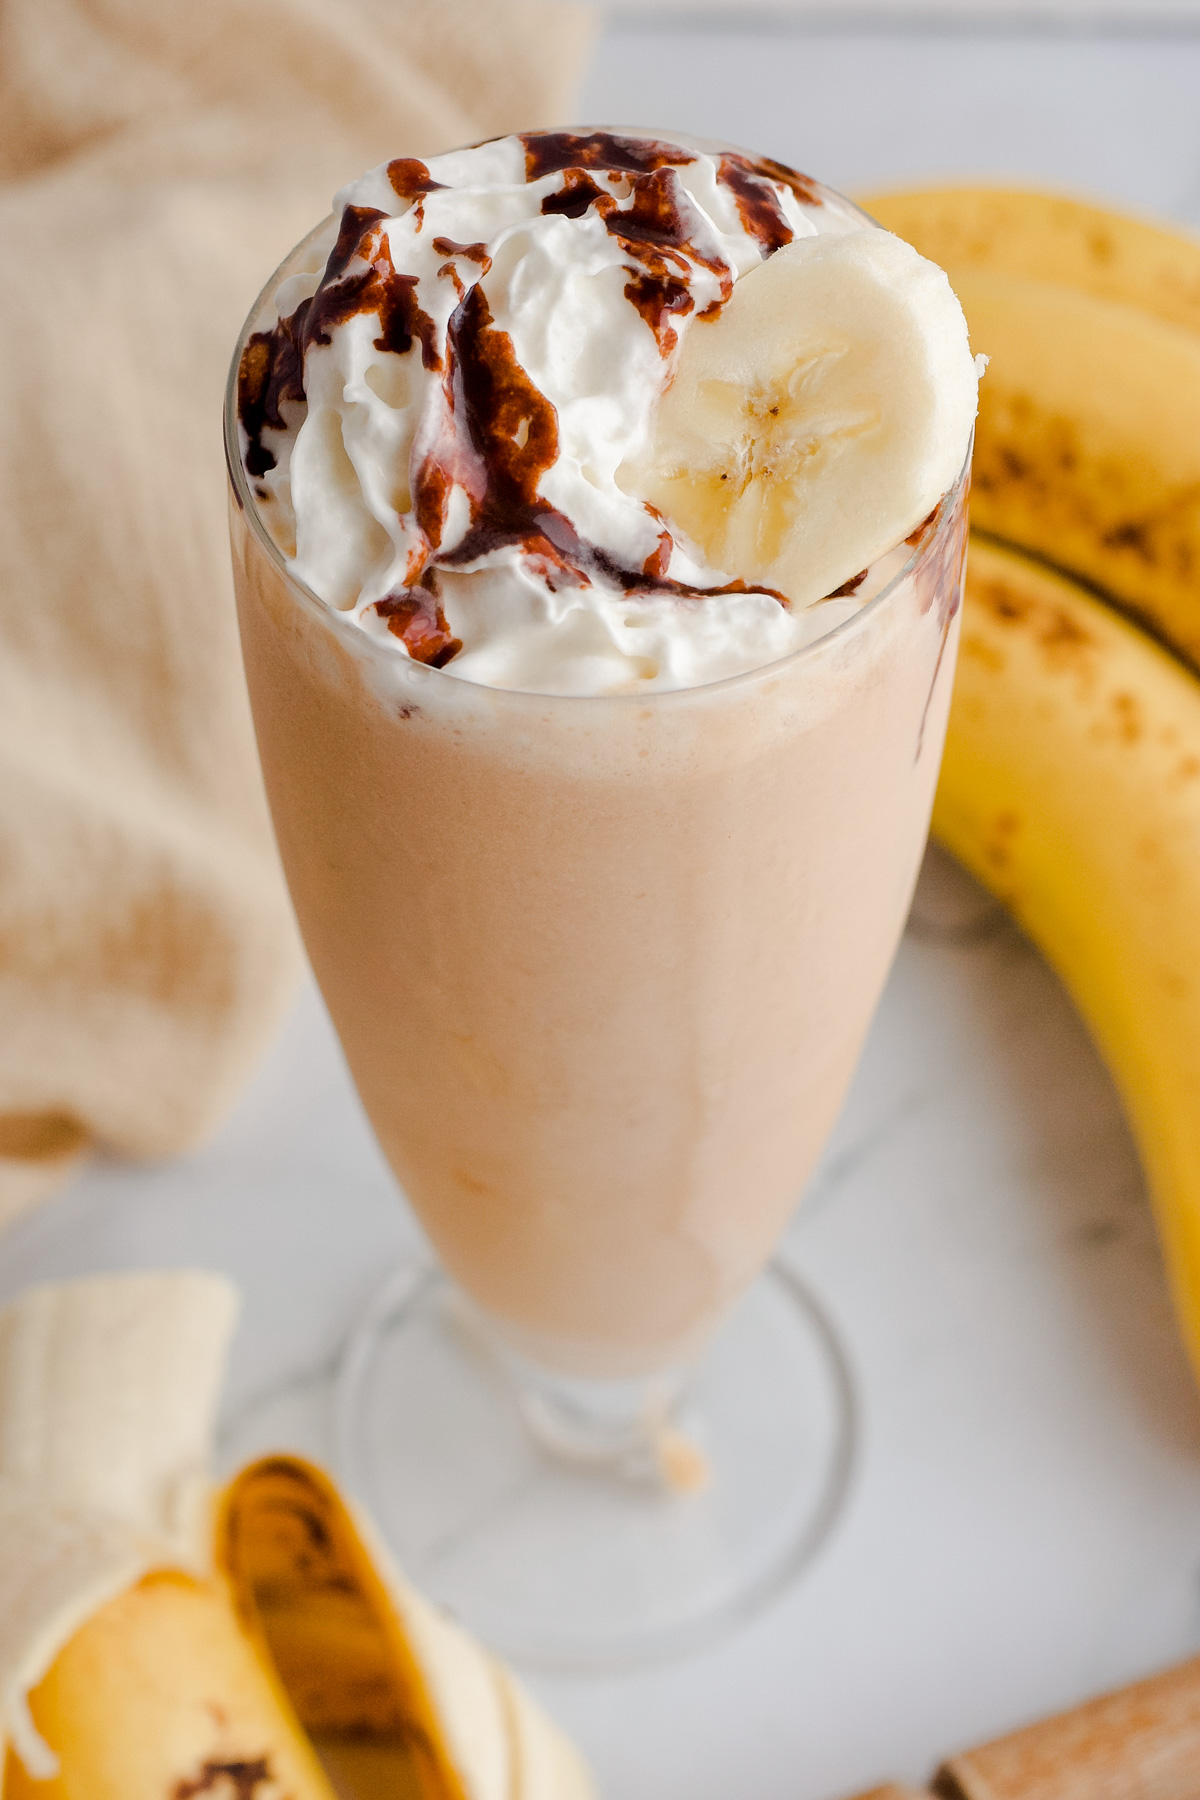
{"x": 160, "y": 1694}
{"x": 157, "y": 1646}
{"x": 817, "y": 419}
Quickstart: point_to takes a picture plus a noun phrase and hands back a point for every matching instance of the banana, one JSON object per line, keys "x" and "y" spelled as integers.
{"x": 156, "y": 1640}
{"x": 814, "y": 422}
{"x": 1071, "y": 780}
{"x": 397, "y": 1698}
{"x": 123, "y": 1669}
{"x": 1087, "y": 449}
{"x": 1071, "y": 788}
{"x": 1051, "y": 237}
{"x": 107, "y": 1390}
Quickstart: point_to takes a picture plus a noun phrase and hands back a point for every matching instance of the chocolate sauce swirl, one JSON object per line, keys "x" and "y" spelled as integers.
{"x": 488, "y": 431}
{"x": 272, "y": 366}
{"x": 553, "y": 152}
{"x": 411, "y": 179}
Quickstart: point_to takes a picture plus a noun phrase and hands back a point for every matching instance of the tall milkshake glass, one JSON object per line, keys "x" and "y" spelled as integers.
{"x": 601, "y": 967}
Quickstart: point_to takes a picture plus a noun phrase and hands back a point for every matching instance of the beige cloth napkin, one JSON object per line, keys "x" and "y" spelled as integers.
{"x": 157, "y": 159}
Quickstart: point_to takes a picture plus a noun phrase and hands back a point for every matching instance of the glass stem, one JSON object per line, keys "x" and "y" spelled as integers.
{"x": 630, "y": 1429}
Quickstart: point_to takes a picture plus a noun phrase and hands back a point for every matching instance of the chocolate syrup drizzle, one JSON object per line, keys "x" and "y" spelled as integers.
{"x": 411, "y": 179}
{"x": 762, "y": 216}
{"x": 553, "y": 152}
{"x": 272, "y": 366}
{"x": 662, "y": 233}
{"x": 495, "y": 434}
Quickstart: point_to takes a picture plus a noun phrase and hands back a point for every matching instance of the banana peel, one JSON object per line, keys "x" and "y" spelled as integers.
{"x": 107, "y": 1395}
{"x": 161, "y": 1642}
{"x": 1071, "y": 788}
{"x": 311, "y": 1597}
{"x": 398, "y": 1699}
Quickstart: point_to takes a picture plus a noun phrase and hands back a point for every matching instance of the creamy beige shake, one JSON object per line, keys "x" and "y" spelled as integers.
{"x": 600, "y": 845}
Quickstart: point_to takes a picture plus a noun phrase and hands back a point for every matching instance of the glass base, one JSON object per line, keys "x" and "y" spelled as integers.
{"x": 561, "y": 1551}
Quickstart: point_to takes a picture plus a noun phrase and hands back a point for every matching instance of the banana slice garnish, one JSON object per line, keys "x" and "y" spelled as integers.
{"x": 815, "y": 421}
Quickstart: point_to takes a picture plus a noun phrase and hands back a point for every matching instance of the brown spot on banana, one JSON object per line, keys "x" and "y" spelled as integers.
{"x": 240, "y": 1780}
{"x": 998, "y": 841}
{"x": 1128, "y": 715}
{"x": 975, "y": 649}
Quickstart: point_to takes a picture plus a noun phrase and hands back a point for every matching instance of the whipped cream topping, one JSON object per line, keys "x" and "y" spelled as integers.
{"x": 439, "y": 406}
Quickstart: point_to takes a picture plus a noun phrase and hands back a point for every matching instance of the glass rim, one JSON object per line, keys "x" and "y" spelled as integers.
{"x": 938, "y": 524}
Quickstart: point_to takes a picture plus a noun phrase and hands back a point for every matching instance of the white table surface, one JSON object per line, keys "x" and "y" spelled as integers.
{"x": 1024, "y": 1522}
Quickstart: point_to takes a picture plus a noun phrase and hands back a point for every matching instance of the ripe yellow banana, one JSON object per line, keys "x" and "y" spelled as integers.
{"x": 1051, "y": 237}
{"x": 1071, "y": 788}
{"x": 1071, "y": 781}
{"x": 1087, "y": 449}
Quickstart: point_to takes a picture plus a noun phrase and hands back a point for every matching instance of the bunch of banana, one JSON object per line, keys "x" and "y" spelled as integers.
{"x": 1087, "y": 450}
{"x": 1071, "y": 781}
{"x": 158, "y": 1642}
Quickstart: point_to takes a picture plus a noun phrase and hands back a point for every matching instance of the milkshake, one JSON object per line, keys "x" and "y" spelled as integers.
{"x": 600, "y": 743}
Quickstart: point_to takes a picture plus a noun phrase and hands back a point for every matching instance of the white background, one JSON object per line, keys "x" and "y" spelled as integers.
{"x": 1133, "y": 15}
{"x": 1024, "y": 1523}
{"x": 1117, "y": 115}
